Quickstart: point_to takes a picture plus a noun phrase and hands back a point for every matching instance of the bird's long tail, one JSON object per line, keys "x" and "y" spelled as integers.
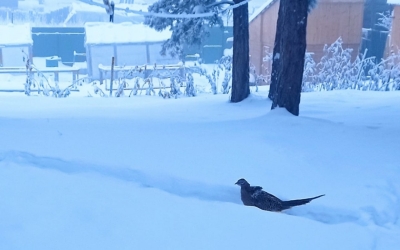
{"x": 293, "y": 203}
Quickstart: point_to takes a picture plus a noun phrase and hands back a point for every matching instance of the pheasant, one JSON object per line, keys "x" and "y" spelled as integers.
{"x": 255, "y": 196}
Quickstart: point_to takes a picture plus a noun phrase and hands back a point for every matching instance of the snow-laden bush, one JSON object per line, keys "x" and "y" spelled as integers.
{"x": 337, "y": 71}
{"x": 136, "y": 87}
{"x": 190, "y": 89}
{"x": 385, "y": 75}
{"x": 308, "y": 73}
{"x": 145, "y": 79}
{"x": 43, "y": 85}
{"x": 222, "y": 66}
{"x": 212, "y": 79}
{"x": 121, "y": 85}
{"x": 175, "y": 87}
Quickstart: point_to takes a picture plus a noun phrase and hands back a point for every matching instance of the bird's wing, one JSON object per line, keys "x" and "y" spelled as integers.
{"x": 260, "y": 194}
{"x": 258, "y": 191}
{"x": 271, "y": 196}
{"x": 266, "y": 201}
{"x": 254, "y": 189}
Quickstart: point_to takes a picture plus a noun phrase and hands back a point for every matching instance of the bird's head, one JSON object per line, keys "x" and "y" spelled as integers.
{"x": 242, "y": 182}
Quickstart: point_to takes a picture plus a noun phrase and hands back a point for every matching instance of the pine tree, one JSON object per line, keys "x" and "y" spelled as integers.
{"x": 185, "y": 31}
{"x": 289, "y": 54}
{"x": 192, "y": 31}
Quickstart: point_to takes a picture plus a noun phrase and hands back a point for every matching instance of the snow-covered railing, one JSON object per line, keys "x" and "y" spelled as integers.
{"x": 144, "y": 71}
{"x": 136, "y": 79}
{"x": 54, "y": 70}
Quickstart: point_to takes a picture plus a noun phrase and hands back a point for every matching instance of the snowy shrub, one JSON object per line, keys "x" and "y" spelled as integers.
{"x": 163, "y": 92}
{"x": 385, "y": 75}
{"x": 336, "y": 71}
{"x": 175, "y": 87}
{"x": 29, "y": 83}
{"x": 150, "y": 86}
{"x": 136, "y": 87}
{"x": 212, "y": 79}
{"x": 223, "y": 66}
{"x": 180, "y": 79}
{"x": 254, "y": 77}
{"x": 265, "y": 75}
{"x": 226, "y": 65}
{"x": 122, "y": 84}
{"x": 99, "y": 91}
{"x": 309, "y": 73}
{"x": 43, "y": 85}
{"x": 190, "y": 89}
{"x": 385, "y": 20}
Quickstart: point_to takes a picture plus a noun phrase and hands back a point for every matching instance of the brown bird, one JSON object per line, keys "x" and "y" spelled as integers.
{"x": 255, "y": 196}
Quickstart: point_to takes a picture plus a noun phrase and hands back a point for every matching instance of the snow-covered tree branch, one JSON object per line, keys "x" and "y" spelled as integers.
{"x": 185, "y": 31}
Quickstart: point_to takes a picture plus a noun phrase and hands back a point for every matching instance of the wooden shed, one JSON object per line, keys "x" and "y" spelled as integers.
{"x": 330, "y": 20}
{"x": 129, "y": 44}
{"x": 394, "y": 38}
{"x": 15, "y": 45}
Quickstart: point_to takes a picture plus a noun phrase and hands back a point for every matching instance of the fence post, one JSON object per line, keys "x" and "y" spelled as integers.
{"x": 112, "y": 76}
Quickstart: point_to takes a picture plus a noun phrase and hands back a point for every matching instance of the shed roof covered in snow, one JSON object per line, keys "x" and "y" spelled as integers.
{"x": 15, "y": 34}
{"x": 397, "y": 2}
{"x": 261, "y": 9}
{"x": 110, "y": 33}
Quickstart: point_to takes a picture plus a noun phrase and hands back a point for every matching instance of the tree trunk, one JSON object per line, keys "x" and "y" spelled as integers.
{"x": 276, "y": 55}
{"x": 292, "y": 48}
{"x": 240, "y": 68}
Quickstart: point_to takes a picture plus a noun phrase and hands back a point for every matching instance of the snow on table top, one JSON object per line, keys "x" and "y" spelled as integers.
{"x": 12, "y": 34}
{"x": 105, "y": 33}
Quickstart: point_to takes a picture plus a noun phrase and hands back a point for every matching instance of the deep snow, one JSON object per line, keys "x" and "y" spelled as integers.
{"x": 150, "y": 173}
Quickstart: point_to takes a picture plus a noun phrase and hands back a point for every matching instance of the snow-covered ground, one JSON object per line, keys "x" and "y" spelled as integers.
{"x": 152, "y": 173}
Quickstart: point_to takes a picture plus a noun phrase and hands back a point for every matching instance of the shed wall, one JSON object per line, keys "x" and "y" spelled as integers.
{"x": 330, "y": 20}
{"x": 134, "y": 54}
{"x": 262, "y": 37}
{"x": 131, "y": 54}
{"x": 395, "y": 33}
{"x": 99, "y": 54}
{"x": 12, "y": 56}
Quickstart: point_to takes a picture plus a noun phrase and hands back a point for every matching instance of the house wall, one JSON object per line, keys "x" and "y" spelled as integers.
{"x": 262, "y": 37}
{"x": 330, "y": 20}
{"x": 394, "y": 40}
